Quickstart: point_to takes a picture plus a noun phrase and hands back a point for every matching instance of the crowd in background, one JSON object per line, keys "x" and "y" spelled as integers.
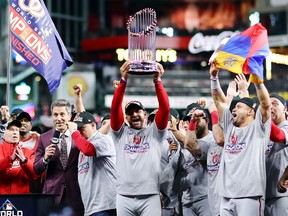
{"x": 224, "y": 158}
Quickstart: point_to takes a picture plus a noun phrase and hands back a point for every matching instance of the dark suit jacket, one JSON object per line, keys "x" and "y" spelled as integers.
{"x": 56, "y": 177}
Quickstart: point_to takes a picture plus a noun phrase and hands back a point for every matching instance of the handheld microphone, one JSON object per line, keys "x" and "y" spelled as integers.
{"x": 55, "y": 139}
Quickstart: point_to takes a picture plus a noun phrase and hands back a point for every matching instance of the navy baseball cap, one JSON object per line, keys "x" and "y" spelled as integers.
{"x": 174, "y": 113}
{"x": 15, "y": 122}
{"x": 133, "y": 103}
{"x": 188, "y": 117}
{"x": 249, "y": 102}
{"x": 83, "y": 118}
{"x": 191, "y": 106}
{"x": 233, "y": 103}
{"x": 106, "y": 117}
{"x": 152, "y": 115}
{"x": 16, "y": 112}
{"x": 281, "y": 99}
{"x": 24, "y": 115}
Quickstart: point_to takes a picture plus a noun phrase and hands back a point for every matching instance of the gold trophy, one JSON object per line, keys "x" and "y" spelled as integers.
{"x": 142, "y": 42}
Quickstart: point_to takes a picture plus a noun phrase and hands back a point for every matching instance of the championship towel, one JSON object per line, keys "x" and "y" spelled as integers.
{"x": 34, "y": 37}
{"x": 245, "y": 53}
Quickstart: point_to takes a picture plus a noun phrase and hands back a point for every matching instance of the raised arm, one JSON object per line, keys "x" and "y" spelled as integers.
{"x": 217, "y": 131}
{"x": 162, "y": 116}
{"x": 117, "y": 116}
{"x": 231, "y": 92}
{"x": 190, "y": 142}
{"x": 82, "y": 144}
{"x": 264, "y": 100}
{"x": 276, "y": 134}
{"x": 216, "y": 91}
{"x": 79, "y": 106}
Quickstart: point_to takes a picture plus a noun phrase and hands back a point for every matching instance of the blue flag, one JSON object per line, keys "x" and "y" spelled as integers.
{"x": 245, "y": 53}
{"x": 34, "y": 37}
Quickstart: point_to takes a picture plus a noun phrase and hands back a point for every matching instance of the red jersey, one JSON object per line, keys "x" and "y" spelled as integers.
{"x": 14, "y": 176}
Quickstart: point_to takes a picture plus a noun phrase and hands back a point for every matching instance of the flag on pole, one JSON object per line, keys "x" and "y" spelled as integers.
{"x": 245, "y": 53}
{"x": 34, "y": 37}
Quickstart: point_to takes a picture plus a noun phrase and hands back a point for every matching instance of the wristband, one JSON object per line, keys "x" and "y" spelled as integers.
{"x": 24, "y": 161}
{"x": 155, "y": 80}
{"x": 123, "y": 80}
{"x": 214, "y": 77}
{"x": 259, "y": 86}
{"x": 215, "y": 84}
{"x": 214, "y": 117}
{"x": 192, "y": 125}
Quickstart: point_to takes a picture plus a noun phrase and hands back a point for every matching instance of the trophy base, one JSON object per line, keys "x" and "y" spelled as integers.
{"x": 143, "y": 68}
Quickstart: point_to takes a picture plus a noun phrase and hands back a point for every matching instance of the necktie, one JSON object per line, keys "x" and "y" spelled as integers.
{"x": 63, "y": 153}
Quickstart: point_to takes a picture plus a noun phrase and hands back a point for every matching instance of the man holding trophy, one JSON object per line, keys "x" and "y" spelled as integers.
{"x": 138, "y": 149}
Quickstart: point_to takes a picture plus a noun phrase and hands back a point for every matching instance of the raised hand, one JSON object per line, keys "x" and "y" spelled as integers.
{"x": 232, "y": 89}
{"x": 124, "y": 69}
{"x": 242, "y": 85}
{"x": 77, "y": 89}
{"x": 116, "y": 84}
{"x": 241, "y": 81}
{"x": 5, "y": 113}
{"x": 214, "y": 70}
{"x": 160, "y": 71}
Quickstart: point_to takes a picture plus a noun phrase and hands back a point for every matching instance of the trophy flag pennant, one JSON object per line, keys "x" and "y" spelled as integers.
{"x": 34, "y": 37}
{"x": 245, "y": 53}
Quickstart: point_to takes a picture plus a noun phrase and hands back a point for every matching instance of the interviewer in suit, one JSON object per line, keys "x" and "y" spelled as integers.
{"x": 60, "y": 181}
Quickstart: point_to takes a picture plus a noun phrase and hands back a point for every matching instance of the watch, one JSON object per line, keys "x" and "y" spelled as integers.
{"x": 24, "y": 161}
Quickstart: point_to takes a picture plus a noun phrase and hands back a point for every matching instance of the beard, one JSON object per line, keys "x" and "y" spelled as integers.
{"x": 235, "y": 124}
{"x": 199, "y": 132}
{"x": 23, "y": 133}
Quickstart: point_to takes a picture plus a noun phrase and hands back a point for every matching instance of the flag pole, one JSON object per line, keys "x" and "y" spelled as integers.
{"x": 8, "y": 59}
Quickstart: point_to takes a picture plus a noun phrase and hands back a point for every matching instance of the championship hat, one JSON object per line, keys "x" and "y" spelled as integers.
{"x": 24, "y": 115}
{"x": 83, "y": 118}
{"x": 16, "y": 112}
{"x": 133, "y": 103}
{"x": 152, "y": 115}
{"x": 281, "y": 99}
{"x": 16, "y": 123}
{"x": 174, "y": 113}
{"x": 191, "y": 106}
{"x": 249, "y": 102}
{"x": 105, "y": 117}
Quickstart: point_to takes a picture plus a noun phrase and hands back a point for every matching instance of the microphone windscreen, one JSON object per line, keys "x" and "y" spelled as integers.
{"x": 56, "y": 134}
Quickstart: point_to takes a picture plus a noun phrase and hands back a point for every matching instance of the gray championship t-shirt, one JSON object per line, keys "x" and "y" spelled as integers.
{"x": 138, "y": 159}
{"x": 166, "y": 158}
{"x": 212, "y": 153}
{"x": 276, "y": 162}
{"x": 196, "y": 179}
{"x": 97, "y": 175}
{"x": 242, "y": 171}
